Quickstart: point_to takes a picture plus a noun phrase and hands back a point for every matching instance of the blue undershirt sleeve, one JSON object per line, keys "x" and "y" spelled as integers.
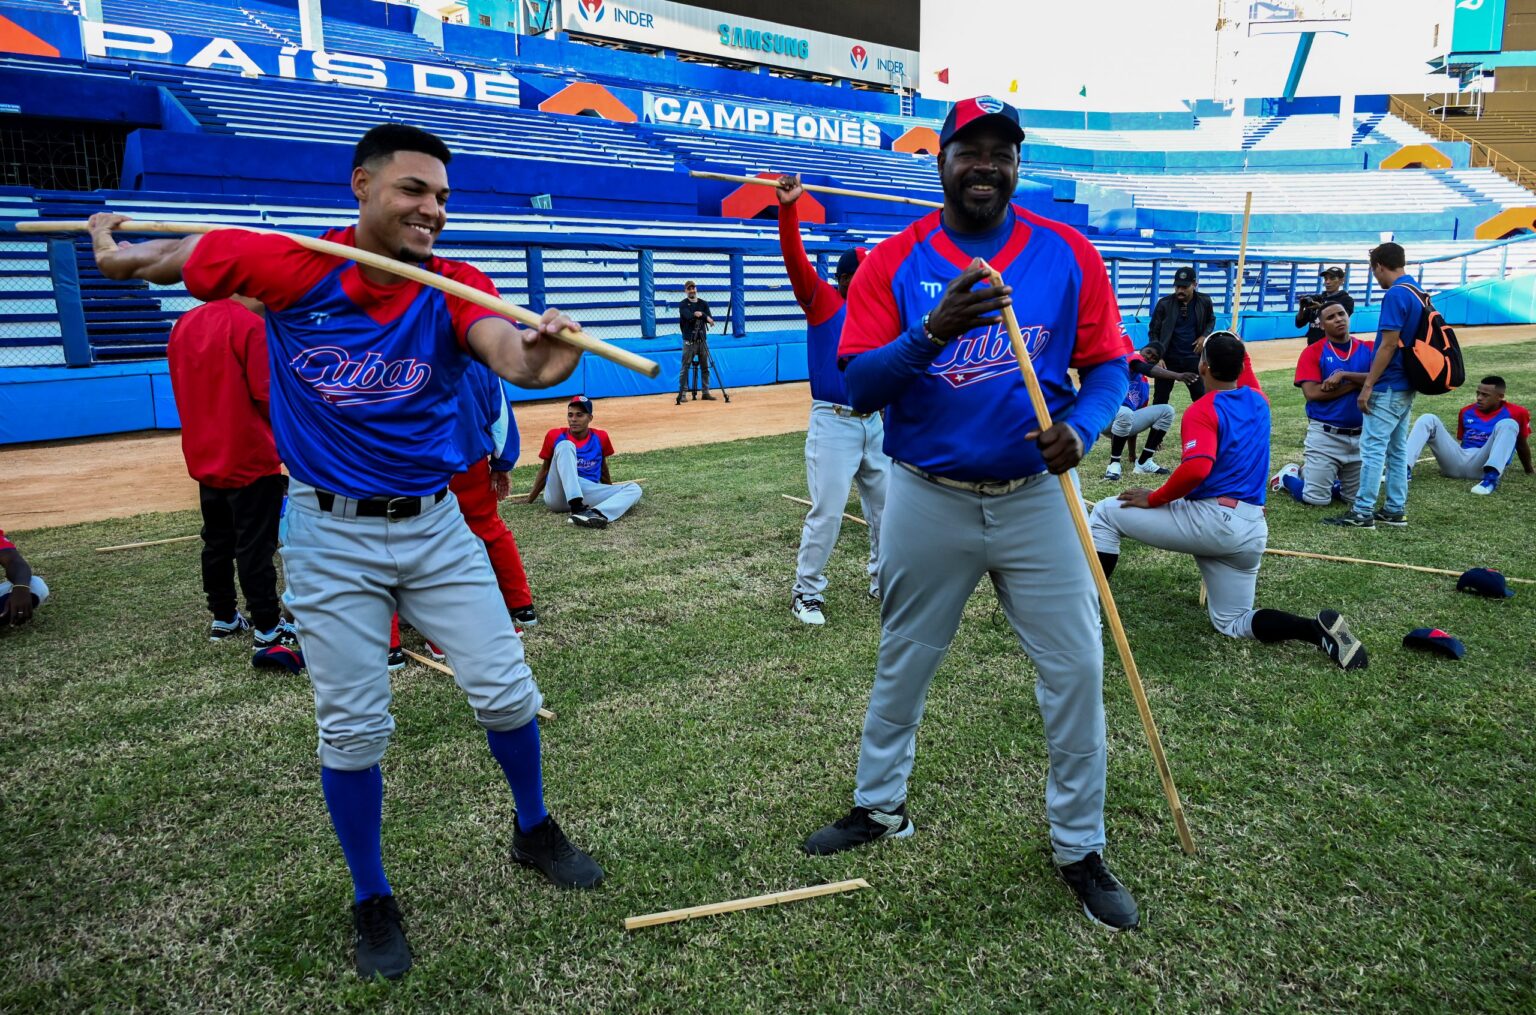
{"x": 877, "y": 378}
{"x": 1102, "y": 390}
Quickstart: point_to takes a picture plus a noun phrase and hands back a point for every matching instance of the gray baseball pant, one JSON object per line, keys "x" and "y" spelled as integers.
{"x": 1459, "y": 462}
{"x": 564, "y": 482}
{"x": 839, "y": 450}
{"x": 938, "y": 543}
{"x": 346, "y": 576}
{"x": 1326, "y": 457}
{"x": 1128, "y": 421}
{"x": 1226, "y": 542}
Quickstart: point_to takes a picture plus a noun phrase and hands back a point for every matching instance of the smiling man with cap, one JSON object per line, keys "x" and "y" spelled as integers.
{"x": 574, "y": 477}
{"x": 1180, "y": 322}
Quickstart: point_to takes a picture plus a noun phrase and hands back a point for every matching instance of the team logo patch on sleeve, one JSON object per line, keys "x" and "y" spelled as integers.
{"x": 1190, "y": 445}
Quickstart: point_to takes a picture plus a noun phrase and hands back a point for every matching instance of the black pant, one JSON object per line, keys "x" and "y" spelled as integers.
{"x": 1162, "y": 387}
{"x": 240, "y": 529}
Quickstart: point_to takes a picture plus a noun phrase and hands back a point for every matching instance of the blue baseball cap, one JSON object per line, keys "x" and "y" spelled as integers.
{"x": 1432, "y": 639}
{"x": 983, "y": 109}
{"x": 1483, "y": 581}
{"x": 582, "y": 403}
{"x": 278, "y": 657}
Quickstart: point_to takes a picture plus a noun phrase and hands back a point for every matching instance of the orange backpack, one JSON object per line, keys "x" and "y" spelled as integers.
{"x": 1431, "y": 355}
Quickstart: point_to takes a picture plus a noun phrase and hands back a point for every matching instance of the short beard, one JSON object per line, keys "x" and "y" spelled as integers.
{"x": 974, "y": 218}
{"x": 411, "y": 257}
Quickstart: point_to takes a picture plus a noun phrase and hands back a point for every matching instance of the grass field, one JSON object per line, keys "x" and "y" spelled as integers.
{"x": 1366, "y": 839}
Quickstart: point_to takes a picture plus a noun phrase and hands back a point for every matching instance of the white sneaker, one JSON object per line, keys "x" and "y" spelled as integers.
{"x": 1487, "y": 486}
{"x": 437, "y": 654}
{"x": 1151, "y": 468}
{"x": 221, "y": 630}
{"x": 808, "y": 611}
{"x": 1288, "y": 469}
{"x": 1113, "y": 472}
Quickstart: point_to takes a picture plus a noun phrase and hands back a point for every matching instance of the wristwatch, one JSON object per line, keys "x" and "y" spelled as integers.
{"x": 930, "y": 336}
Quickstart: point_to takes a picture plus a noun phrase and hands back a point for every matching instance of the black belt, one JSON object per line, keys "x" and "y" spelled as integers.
{"x": 1342, "y": 431}
{"x": 393, "y": 508}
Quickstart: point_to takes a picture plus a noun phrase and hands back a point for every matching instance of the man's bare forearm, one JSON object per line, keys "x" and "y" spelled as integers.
{"x": 158, "y": 261}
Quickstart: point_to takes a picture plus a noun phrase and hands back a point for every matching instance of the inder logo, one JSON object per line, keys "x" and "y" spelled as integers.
{"x": 342, "y": 380}
{"x": 859, "y": 57}
{"x": 981, "y": 357}
{"x": 591, "y": 10}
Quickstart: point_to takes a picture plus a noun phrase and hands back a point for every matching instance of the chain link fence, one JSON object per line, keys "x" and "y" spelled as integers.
{"x": 30, "y": 333}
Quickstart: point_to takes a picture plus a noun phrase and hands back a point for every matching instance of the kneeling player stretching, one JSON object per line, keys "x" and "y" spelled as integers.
{"x": 1213, "y": 508}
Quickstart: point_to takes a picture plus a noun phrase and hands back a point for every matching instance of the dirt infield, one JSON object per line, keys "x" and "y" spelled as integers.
{"x": 65, "y": 482}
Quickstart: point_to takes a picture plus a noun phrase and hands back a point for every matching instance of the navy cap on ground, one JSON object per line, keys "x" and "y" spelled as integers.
{"x": 278, "y": 657}
{"x": 1483, "y": 581}
{"x": 1432, "y": 639}
{"x": 980, "y": 111}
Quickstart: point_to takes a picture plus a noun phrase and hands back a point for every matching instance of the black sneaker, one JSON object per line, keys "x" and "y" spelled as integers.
{"x": 1335, "y": 638}
{"x": 591, "y": 518}
{"x": 680, "y": 398}
{"x": 221, "y": 630}
{"x": 281, "y": 634}
{"x": 1350, "y": 520}
{"x": 1105, "y": 900}
{"x": 524, "y": 615}
{"x": 707, "y": 397}
{"x": 860, "y": 826}
{"x": 379, "y": 939}
{"x": 546, "y": 849}
{"x": 396, "y": 659}
{"x": 1396, "y": 519}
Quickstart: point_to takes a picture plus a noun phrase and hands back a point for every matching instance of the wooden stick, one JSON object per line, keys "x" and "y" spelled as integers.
{"x": 431, "y": 663}
{"x": 817, "y": 188}
{"x": 570, "y": 336}
{"x": 1202, "y": 591}
{"x": 756, "y": 902}
{"x": 1080, "y": 521}
{"x": 1242, "y": 261}
{"x": 1380, "y": 563}
{"x": 152, "y": 542}
{"x": 802, "y": 500}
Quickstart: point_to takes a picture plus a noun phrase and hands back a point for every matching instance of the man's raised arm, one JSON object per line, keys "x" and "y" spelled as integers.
{"x": 158, "y": 261}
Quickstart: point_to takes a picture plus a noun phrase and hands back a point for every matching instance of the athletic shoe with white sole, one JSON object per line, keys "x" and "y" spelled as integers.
{"x": 437, "y": 654}
{"x": 1113, "y": 471}
{"x": 875, "y": 594}
{"x": 219, "y": 630}
{"x": 808, "y": 610}
{"x": 1350, "y": 520}
{"x": 1277, "y": 481}
{"x": 545, "y": 848}
{"x": 1336, "y": 639}
{"x": 860, "y": 827}
{"x": 378, "y": 934}
{"x": 1104, "y": 899}
{"x": 591, "y": 518}
{"x": 1489, "y": 484}
{"x": 1151, "y": 468}
{"x": 525, "y": 616}
{"x": 1396, "y": 519}
{"x": 396, "y": 660}
{"x": 282, "y": 634}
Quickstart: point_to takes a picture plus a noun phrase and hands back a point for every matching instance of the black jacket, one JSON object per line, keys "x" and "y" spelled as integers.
{"x": 1307, "y": 317}
{"x": 693, "y": 328}
{"x": 1166, "y": 313}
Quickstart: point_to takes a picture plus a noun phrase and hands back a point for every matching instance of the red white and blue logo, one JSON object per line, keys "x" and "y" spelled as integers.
{"x": 341, "y": 380}
{"x": 987, "y": 104}
{"x": 591, "y": 10}
{"x": 859, "y": 57}
{"x": 977, "y": 358}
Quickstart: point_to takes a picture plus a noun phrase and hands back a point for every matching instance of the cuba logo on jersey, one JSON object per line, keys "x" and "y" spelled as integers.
{"x": 988, "y": 354}
{"x": 342, "y": 380}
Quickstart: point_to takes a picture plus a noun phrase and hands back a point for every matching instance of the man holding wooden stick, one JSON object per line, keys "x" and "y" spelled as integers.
{"x": 363, "y": 386}
{"x": 971, "y": 495}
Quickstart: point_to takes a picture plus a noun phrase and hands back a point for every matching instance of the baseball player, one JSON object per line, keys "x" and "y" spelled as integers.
{"x": 1488, "y": 434}
{"x": 1136, "y": 416}
{"x": 1212, "y": 507}
{"x": 365, "y": 374}
{"x": 22, "y": 592}
{"x": 842, "y": 446}
{"x": 576, "y": 462}
{"x": 1329, "y": 375}
{"x": 971, "y": 495}
{"x": 694, "y": 321}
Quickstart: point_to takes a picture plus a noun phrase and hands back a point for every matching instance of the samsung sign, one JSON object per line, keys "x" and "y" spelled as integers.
{"x": 671, "y": 110}
{"x": 689, "y": 29}
{"x": 126, "y": 42}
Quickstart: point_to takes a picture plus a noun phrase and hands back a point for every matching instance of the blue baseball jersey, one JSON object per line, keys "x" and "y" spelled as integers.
{"x": 821, "y": 344}
{"x": 1473, "y": 428}
{"x": 364, "y": 377}
{"x": 965, "y": 418}
{"x": 1320, "y": 361}
{"x": 1401, "y": 310}
{"x": 1140, "y": 392}
{"x": 482, "y": 403}
{"x": 591, "y": 450}
{"x": 1231, "y": 428}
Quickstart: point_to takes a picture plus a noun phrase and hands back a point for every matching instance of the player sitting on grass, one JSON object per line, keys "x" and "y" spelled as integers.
{"x": 576, "y": 471}
{"x": 1213, "y": 508}
{"x": 22, "y": 592}
{"x": 1327, "y": 374}
{"x": 1489, "y": 433}
{"x": 1135, "y": 416}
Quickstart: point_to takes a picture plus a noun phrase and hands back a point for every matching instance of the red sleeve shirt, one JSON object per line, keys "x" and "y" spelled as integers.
{"x": 1309, "y": 365}
{"x": 1198, "y": 434}
{"x": 5, "y": 544}
{"x": 815, "y": 295}
{"x": 548, "y": 450}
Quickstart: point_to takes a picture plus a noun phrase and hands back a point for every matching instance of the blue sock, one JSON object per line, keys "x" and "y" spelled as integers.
{"x": 356, "y": 803}
{"x": 1293, "y": 486}
{"x": 517, "y": 751}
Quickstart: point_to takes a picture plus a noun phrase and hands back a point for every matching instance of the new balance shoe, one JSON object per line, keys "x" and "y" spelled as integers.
{"x": 1396, "y": 519}
{"x": 396, "y": 659}
{"x": 282, "y": 634}
{"x": 525, "y": 616}
{"x": 808, "y": 610}
{"x": 1335, "y": 638}
{"x": 860, "y": 827}
{"x": 1151, "y": 468}
{"x": 1489, "y": 484}
{"x": 1113, "y": 471}
{"x": 219, "y": 630}
{"x": 437, "y": 654}
{"x": 546, "y": 849}
{"x": 378, "y": 934}
{"x": 1104, "y": 899}
{"x": 1277, "y": 481}
{"x": 1351, "y": 520}
{"x": 591, "y": 518}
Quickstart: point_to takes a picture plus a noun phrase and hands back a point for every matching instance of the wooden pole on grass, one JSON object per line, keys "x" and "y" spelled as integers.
{"x": 431, "y": 663}
{"x": 756, "y": 902}
{"x": 1117, "y": 629}
{"x": 151, "y": 542}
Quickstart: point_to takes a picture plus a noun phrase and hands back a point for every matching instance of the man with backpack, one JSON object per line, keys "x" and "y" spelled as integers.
{"x": 1386, "y": 398}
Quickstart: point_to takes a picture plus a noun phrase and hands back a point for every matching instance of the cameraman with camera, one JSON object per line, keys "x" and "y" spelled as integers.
{"x": 694, "y": 321}
{"x": 1309, "y": 311}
